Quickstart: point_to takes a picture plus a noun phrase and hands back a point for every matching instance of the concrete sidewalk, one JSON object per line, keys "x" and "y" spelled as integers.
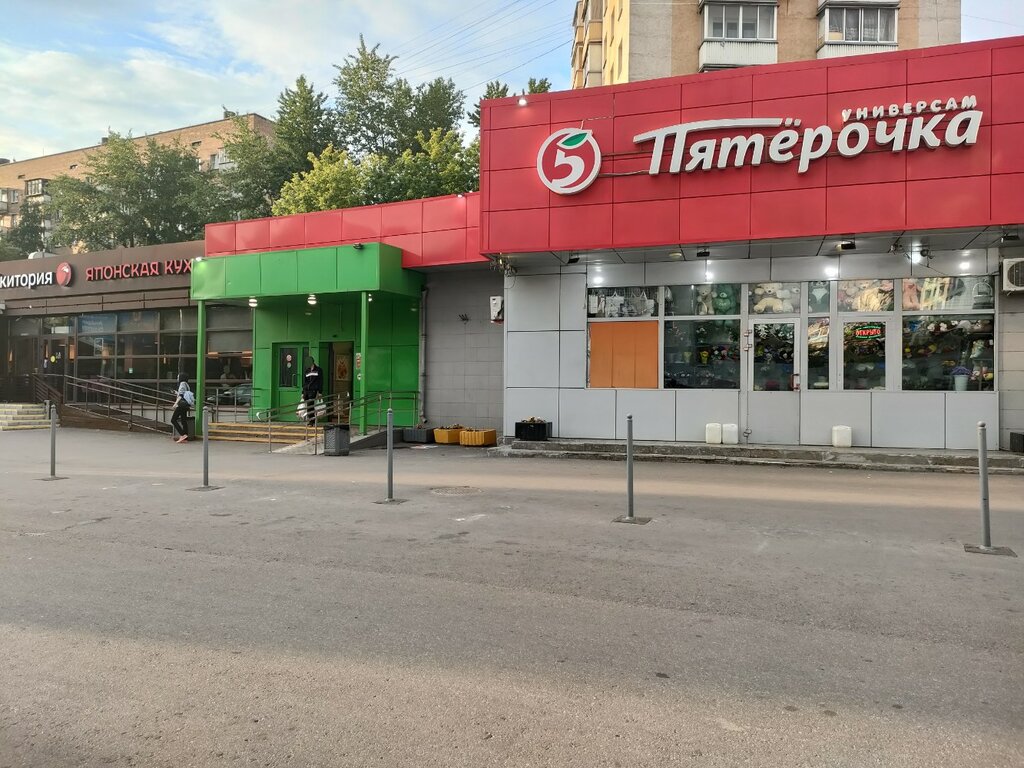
{"x": 768, "y": 616}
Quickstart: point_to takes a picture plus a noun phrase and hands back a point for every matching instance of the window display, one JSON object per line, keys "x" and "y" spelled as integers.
{"x": 948, "y": 352}
{"x": 702, "y": 354}
{"x": 774, "y": 298}
{"x": 930, "y": 294}
{"x": 818, "y": 353}
{"x": 865, "y": 296}
{"x": 774, "y": 351}
{"x": 864, "y": 355}
{"x": 710, "y": 299}
{"x": 819, "y": 297}
{"x": 622, "y": 302}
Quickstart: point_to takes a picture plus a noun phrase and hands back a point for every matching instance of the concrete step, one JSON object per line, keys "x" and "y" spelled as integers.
{"x": 894, "y": 459}
{"x": 34, "y": 425}
{"x": 22, "y": 416}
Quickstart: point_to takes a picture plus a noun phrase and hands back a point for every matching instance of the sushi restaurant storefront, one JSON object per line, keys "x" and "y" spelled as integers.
{"x": 786, "y": 248}
{"x": 352, "y": 308}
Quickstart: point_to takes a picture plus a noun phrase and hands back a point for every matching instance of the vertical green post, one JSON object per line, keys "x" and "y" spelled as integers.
{"x": 364, "y": 339}
{"x": 200, "y": 364}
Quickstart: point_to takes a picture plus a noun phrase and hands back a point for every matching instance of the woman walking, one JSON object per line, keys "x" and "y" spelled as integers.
{"x": 184, "y": 400}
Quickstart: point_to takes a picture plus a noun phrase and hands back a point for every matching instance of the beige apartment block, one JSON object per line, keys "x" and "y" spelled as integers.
{"x": 26, "y": 180}
{"x": 645, "y": 39}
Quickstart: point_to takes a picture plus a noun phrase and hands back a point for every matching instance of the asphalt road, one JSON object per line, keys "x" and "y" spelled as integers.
{"x": 766, "y": 617}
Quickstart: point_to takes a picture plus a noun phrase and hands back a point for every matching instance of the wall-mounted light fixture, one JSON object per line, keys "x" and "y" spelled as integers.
{"x": 252, "y": 302}
{"x": 311, "y": 300}
{"x": 703, "y": 253}
{"x": 357, "y": 246}
{"x": 846, "y": 245}
{"x": 522, "y": 101}
{"x": 573, "y": 260}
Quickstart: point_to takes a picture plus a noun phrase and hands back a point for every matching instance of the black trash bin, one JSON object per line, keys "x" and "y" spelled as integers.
{"x": 336, "y": 439}
{"x": 190, "y": 427}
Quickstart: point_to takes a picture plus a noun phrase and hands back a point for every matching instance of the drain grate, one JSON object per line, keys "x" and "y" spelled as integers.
{"x": 455, "y": 490}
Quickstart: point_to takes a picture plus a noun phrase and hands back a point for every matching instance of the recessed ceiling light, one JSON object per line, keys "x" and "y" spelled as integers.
{"x": 597, "y": 280}
{"x": 676, "y": 255}
{"x": 832, "y": 271}
{"x": 915, "y": 258}
{"x": 965, "y": 265}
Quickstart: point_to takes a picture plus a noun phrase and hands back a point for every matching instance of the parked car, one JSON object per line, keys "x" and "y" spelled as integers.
{"x": 238, "y": 395}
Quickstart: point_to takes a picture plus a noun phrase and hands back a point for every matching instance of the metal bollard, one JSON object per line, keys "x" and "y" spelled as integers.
{"x": 985, "y": 548}
{"x": 391, "y": 455}
{"x": 629, "y": 467}
{"x": 206, "y": 448}
{"x": 53, "y": 441}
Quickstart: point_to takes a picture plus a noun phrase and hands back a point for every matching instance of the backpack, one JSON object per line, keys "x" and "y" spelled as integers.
{"x": 189, "y": 397}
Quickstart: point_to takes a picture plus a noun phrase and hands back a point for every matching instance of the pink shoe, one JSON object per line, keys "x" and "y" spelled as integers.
{"x": 182, "y": 439}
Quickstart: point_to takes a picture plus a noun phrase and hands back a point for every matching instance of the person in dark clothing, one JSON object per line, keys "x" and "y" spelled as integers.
{"x": 183, "y": 401}
{"x": 312, "y": 386}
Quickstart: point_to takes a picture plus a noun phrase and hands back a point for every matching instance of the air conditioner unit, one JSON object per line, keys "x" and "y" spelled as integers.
{"x": 1013, "y": 275}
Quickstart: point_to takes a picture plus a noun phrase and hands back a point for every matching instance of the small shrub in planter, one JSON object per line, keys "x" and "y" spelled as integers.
{"x": 533, "y": 429}
{"x": 478, "y": 437}
{"x": 418, "y": 434}
{"x": 448, "y": 435}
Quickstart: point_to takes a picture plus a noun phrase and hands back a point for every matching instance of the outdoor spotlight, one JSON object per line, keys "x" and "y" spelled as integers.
{"x": 522, "y": 101}
{"x": 1010, "y": 237}
{"x": 847, "y": 245}
{"x": 831, "y": 272}
{"x": 358, "y": 246}
{"x": 915, "y": 258}
{"x": 964, "y": 265}
{"x": 703, "y": 253}
{"x": 573, "y": 260}
{"x": 460, "y": 195}
{"x": 311, "y": 300}
{"x": 252, "y": 302}
{"x": 369, "y": 297}
{"x": 676, "y": 255}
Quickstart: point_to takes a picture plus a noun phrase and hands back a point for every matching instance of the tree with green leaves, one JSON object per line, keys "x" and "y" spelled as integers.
{"x": 304, "y": 126}
{"x": 333, "y": 181}
{"x": 25, "y": 237}
{"x": 135, "y": 195}
{"x": 442, "y": 165}
{"x": 499, "y": 90}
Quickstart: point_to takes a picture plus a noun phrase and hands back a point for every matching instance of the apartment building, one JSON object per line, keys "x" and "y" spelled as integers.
{"x": 26, "y": 180}
{"x": 621, "y": 41}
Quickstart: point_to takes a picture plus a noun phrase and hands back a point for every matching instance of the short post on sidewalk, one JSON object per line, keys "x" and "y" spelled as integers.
{"x": 206, "y": 456}
{"x": 52, "y": 413}
{"x": 630, "y": 517}
{"x": 390, "y": 499}
{"x": 985, "y": 548}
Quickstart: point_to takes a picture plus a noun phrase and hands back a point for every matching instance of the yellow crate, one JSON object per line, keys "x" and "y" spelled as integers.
{"x": 478, "y": 437}
{"x": 449, "y": 436}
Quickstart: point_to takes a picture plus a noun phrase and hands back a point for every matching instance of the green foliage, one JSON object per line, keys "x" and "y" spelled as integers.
{"x": 304, "y": 126}
{"x": 493, "y": 90}
{"x": 254, "y": 181}
{"x": 437, "y": 106}
{"x": 135, "y": 195}
{"x": 538, "y": 86}
{"x": 333, "y": 181}
{"x": 24, "y": 237}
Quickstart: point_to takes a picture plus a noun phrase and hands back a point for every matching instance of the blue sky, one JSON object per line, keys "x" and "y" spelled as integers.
{"x": 72, "y": 69}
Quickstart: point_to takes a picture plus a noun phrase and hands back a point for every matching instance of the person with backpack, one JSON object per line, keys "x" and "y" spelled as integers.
{"x": 185, "y": 399}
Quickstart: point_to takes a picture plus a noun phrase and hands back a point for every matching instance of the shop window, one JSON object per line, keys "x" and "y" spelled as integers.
{"x": 58, "y": 326}
{"x": 229, "y": 369}
{"x": 228, "y": 341}
{"x": 948, "y": 352}
{"x": 623, "y": 355}
{"x": 702, "y": 354}
{"x": 819, "y": 297}
{"x": 818, "y": 353}
{"x": 135, "y": 344}
{"x": 171, "y": 367}
{"x": 25, "y": 326}
{"x": 710, "y": 299}
{"x": 931, "y": 294}
{"x": 177, "y": 344}
{"x": 622, "y": 302}
{"x": 228, "y": 317}
{"x": 864, "y": 355}
{"x": 95, "y": 346}
{"x": 95, "y": 368}
{"x": 178, "y": 320}
{"x": 133, "y": 322}
{"x": 865, "y": 296}
{"x": 774, "y": 353}
{"x": 774, "y": 298}
{"x": 91, "y": 324}
{"x": 138, "y": 368}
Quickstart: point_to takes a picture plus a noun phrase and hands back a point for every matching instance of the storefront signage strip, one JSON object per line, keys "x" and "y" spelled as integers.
{"x": 139, "y": 269}
{"x": 30, "y": 280}
{"x": 901, "y": 134}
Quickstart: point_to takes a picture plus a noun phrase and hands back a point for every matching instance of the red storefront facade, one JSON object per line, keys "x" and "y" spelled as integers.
{"x": 786, "y": 249}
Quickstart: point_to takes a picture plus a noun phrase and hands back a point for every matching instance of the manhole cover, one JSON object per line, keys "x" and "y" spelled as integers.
{"x": 455, "y": 490}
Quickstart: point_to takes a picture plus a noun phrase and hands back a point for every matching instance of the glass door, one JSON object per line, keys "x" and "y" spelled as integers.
{"x": 289, "y": 359}
{"x": 865, "y": 353}
{"x": 773, "y": 404}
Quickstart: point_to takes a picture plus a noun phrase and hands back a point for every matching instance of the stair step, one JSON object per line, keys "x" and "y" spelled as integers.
{"x": 8, "y": 428}
{"x": 246, "y": 439}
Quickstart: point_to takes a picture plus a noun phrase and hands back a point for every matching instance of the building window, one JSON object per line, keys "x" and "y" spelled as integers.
{"x": 735, "y": 21}
{"x": 859, "y": 25}
{"x": 35, "y": 187}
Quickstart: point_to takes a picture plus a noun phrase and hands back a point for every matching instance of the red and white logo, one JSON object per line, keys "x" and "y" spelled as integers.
{"x": 63, "y": 274}
{"x": 569, "y": 160}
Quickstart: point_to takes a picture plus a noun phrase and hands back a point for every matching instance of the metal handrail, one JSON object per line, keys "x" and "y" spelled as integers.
{"x": 121, "y": 402}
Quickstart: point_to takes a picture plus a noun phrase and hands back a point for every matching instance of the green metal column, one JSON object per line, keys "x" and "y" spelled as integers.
{"x": 364, "y": 340}
{"x": 200, "y": 365}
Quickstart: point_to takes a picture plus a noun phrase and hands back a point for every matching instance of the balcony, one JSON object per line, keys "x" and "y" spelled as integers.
{"x": 835, "y": 50}
{"x": 722, "y": 54}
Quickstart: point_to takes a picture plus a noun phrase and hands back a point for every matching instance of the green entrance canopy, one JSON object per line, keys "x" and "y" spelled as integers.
{"x": 341, "y": 269}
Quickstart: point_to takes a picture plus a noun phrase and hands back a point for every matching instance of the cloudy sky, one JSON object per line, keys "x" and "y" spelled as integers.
{"x": 70, "y": 70}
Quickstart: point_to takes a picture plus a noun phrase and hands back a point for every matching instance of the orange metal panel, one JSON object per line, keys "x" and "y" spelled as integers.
{"x": 601, "y": 348}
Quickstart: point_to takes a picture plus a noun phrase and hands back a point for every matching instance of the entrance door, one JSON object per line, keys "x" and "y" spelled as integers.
{"x": 773, "y": 404}
{"x": 339, "y": 374}
{"x": 866, "y": 342}
{"x": 288, "y": 362}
